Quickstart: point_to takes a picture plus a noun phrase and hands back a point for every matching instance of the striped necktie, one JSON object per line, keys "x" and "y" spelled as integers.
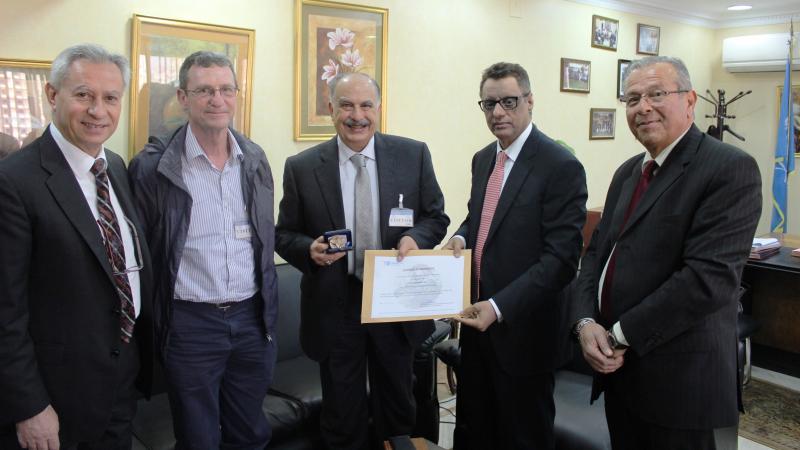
{"x": 490, "y": 199}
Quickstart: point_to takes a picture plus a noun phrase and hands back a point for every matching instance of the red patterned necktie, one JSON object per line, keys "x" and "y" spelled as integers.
{"x": 114, "y": 248}
{"x": 490, "y": 199}
{"x": 638, "y": 193}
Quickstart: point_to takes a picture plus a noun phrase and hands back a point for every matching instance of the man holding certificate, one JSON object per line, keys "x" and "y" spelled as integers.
{"x": 524, "y": 221}
{"x": 345, "y": 194}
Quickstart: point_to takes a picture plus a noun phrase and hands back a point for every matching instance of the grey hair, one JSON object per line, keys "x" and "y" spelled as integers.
{"x": 500, "y": 70}
{"x": 683, "y": 80}
{"x": 203, "y": 59}
{"x": 91, "y": 52}
{"x": 333, "y": 82}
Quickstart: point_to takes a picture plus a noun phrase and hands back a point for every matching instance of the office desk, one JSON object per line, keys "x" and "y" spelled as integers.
{"x": 775, "y": 303}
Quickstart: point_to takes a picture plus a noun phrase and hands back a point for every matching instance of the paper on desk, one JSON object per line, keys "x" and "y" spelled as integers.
{"x": 758, "y": 242}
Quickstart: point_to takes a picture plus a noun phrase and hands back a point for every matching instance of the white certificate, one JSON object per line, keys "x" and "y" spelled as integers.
{"x": 427, "y": 284}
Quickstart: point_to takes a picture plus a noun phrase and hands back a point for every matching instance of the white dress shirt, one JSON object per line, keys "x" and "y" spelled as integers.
{"x": 81, "y": 164}
{"x": 347, "y": 179}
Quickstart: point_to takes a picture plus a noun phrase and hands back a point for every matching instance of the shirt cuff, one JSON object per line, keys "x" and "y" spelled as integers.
{"x": 496, "y": 310}
{"x": 617, "y": 330}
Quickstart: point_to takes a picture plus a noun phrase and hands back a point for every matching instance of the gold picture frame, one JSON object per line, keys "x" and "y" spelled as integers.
{"x": 648, "y": 39}
{"x": 602, "y": 122}
{"x": 330, "y": 38}
{"x": 795, "y": 110}
{"x": 22, "y": 121}
{"x": 158, "y": 48}
{"x": 605, "y": 33}
{"x": 575, "y": 75}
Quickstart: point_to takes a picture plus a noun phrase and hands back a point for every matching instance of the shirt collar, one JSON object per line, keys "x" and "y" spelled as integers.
{"x": 513, "y": 150}
{"x": 193, "y": 149}
{"x": 345, "y": 152}
{"x": 664, "y": 153}
{"x": 79, "y": 161}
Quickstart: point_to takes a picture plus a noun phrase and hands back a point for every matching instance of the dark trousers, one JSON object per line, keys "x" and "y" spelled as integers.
{"x": 497, "y": 410}
{"x": 218, "y": 365}
{"x": 380, "y": 352}
{"x": 117, "y": 435}
{"x": 629, "y": 432}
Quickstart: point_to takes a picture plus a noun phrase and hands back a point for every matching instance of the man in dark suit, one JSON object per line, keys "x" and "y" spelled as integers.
{"x": 525, "y": 213}
{"x": 657, "y": 302}
{"x": 325, "y": 189}
{"x": 74, "y": 314}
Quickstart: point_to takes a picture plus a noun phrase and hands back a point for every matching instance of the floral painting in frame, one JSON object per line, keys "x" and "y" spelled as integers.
{"x": 333, "y": 38}
{"x": 24, "y": 111}
{"x": 159, "y": 47}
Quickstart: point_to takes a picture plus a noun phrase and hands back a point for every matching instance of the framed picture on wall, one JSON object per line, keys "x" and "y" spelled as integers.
{"x": 159, "y": 47}
{"x": 605, "y": 32}
{"x": 575, "y": 75}
{"x": 647, "y": 39}
{"x": 622, "y": 66}
{"x": 795, "y": 116}
{"x": 24, "y": 111}
{"x": 332, "y": 38}
{"x": 602, "y": 122}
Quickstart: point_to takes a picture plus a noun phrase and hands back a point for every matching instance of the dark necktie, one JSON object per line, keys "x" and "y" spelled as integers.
{"x": 490, "y": 199}
{"x": 114, "y": 249}
{"x": 638, "y": 193}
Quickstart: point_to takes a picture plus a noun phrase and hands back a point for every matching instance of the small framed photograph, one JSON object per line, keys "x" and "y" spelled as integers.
{"x": 622, "y": 66}
{"x": 24, "y": 110}
{"x": 575, "y": 75}
{"x": 647, "y": 39}
{"x": 601, "y": 123}
{"x": 605, "y": 32}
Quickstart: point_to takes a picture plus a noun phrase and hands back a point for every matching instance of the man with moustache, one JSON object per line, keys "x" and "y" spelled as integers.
{"x": 657, "y": 305}
{"x": 75, "y": 307}
{"x": 353, "y": 181}
{"x": 526, "y": 211}
{"x": 206, "y": 199}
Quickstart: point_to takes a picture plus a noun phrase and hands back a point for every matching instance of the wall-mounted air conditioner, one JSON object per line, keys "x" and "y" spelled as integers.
{"x": 759, "y": 53}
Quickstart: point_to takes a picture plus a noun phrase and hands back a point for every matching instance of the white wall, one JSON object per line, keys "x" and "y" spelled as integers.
{"x": 437, "y": 50}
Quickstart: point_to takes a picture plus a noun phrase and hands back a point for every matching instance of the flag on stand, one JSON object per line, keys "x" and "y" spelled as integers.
{"x": 784, "y": 152}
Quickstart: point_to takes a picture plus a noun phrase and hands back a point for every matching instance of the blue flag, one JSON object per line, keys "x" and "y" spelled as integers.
{"x": 784, "y": 155}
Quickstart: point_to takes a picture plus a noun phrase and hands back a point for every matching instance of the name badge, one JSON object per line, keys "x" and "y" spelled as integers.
{"x": 242, "y": 231}
{"x": 401, "y": 217}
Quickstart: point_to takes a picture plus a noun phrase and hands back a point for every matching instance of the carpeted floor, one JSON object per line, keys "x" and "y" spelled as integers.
{"x": 772, "y": 416}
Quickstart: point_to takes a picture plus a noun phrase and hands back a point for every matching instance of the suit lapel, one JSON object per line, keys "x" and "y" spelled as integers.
{"x": 69, "y": 197}
{"x": 519, "y": 172}
{"x": 327, "y": 174}
{"x": 672, "y": 170}
{"x": 624, "y": 199}
{"x": 388, "y": 183}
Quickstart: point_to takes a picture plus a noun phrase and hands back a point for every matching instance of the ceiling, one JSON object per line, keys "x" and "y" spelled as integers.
{"x": 710, "y": 13}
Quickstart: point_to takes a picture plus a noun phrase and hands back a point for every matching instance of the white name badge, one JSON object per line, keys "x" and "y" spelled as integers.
{"x": 401, "y": 217}
{"x": 242, "y": 231}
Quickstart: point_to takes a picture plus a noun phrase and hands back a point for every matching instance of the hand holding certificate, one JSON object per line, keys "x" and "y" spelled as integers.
{"x": 427, "y": 284}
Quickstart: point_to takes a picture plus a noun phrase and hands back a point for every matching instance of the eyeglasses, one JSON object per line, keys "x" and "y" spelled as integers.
{"x": 507, "y": 103}
{"x": 208, "y": 91}
{"x": 137, "y": 254}
{"x": 654, "y": 97}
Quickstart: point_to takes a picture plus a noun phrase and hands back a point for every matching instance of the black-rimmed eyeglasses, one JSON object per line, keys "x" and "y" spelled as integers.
{"x": 507, "y": 103}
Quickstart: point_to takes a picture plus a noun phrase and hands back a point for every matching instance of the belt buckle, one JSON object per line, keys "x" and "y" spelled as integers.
{"x": 223, "y": 306}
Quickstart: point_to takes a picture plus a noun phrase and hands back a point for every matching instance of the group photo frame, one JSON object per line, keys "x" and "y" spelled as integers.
{"x": 605, "y": 32}
{"x": 158, "y": 48}
{"x": 602, "y": 122}
{"x": 332, "y": 38}
{"x": 575, "y": 75}
{"x": 22, "y": 121}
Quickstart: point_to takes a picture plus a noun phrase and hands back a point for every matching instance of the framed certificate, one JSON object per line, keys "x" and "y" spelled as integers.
{"x": 427, "y": 284}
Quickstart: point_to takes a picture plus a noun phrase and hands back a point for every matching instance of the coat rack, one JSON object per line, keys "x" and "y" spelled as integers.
{"x": 722, "y": 113}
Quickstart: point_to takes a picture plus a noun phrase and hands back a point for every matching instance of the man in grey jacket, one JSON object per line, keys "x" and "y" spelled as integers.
{"x": 206, "y": 200}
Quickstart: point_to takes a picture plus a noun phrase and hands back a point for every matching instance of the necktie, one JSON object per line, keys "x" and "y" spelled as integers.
{"x": 365, "y": 233}
{"x": 114, "y": 249}
{"x": 490, "y": 199}
{"x": 638, "y": 193}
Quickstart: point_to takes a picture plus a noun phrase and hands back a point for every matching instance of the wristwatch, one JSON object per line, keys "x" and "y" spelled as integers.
{"x": 613, "y": 342}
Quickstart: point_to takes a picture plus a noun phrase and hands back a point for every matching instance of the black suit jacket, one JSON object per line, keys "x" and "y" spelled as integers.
{"x": 58, "y": 309}
{"x": 312, "y": 205}
{"x": 679, "y": 260}
{"x": 532, "y": 250}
